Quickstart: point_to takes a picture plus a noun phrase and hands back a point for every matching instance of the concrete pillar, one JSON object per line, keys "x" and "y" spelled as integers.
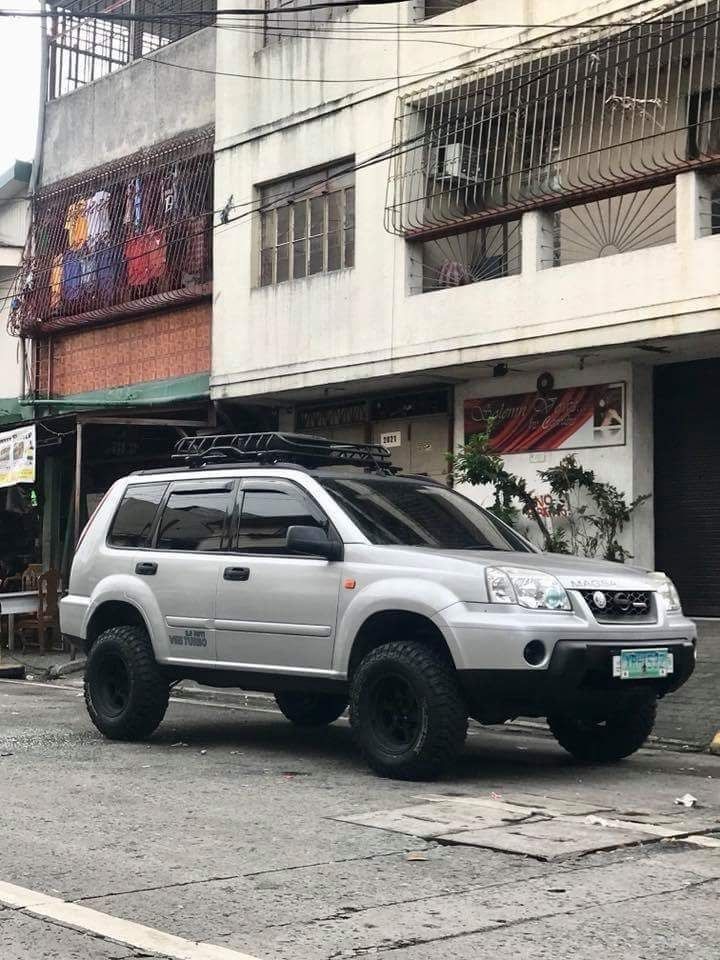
{"x": 693, "y": 207}
{"x": 537, "y": 241}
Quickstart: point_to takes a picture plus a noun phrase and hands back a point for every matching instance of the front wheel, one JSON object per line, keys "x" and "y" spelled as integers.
{"x": 310, "y": 709}
{"x": 125, "y": 692}
{"x": 621, "y": 733}
{"x": 407, "y": 712}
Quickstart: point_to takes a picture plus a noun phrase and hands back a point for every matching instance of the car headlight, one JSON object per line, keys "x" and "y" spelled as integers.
{"x": 528, "y": 588}
{"x": 666, "y": 589}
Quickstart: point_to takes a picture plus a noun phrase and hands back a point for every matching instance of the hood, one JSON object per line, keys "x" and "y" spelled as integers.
{"x": 574, "y": 573}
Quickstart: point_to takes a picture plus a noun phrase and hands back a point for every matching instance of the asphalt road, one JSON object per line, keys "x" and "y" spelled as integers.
{"x": 221, "y": 831}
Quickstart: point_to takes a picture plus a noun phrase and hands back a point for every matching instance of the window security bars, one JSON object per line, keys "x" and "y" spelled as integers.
{"x": 599, "y": 113}
{"x": 612, "y": 225}
{"x": 125, "y": 236}
{"x": 83, "y": 49}
{"x": 309, "y": 227}
{"x": 469, "y": 257}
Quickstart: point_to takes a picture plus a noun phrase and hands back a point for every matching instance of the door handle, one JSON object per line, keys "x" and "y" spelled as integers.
{"x": 236, "y": 573}
{"x": 146, "y": 569}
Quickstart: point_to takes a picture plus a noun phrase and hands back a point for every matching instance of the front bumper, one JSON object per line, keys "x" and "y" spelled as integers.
{"x": 489, "y": 651}
{"x": 579, "y": 676}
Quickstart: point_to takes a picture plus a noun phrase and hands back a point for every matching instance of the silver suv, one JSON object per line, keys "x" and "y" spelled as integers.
{"x": 294, "y": 565}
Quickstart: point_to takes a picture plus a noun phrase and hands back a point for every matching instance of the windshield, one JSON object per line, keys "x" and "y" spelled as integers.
{"x": 414, "y": 513}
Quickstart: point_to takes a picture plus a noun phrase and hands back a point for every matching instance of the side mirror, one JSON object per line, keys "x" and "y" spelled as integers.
{"x": 313, "y": 542}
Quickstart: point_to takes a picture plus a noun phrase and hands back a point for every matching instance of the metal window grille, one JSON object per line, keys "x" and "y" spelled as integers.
{"x": 612, "y": 225}
{"x": 603, "y": 112}
{"x": 472, "y": 256}
{"x": 308, "y": 226}
{"x": 119, "y": 240}
{"x": 83, "y": 49}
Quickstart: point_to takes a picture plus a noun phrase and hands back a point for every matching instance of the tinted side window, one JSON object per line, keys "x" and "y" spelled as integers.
{"x": 194, "y": 519}
{"x": 134, "y": 520}
{"x": 267, "y": 512}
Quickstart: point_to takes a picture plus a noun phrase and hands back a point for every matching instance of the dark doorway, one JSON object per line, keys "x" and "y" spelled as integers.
{"x": 687, "y": 482}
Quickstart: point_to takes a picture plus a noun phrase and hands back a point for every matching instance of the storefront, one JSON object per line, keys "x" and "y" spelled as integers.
{"x": 416, "y": 427}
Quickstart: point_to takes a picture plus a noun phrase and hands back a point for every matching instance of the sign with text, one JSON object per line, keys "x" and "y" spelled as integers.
{"x": 574, "y": 417}
{"x": 393, "y": 439}
{"x": 17, "y": 456}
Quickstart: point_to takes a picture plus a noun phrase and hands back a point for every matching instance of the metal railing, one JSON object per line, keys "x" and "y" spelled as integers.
{"x": 599, "y": 112}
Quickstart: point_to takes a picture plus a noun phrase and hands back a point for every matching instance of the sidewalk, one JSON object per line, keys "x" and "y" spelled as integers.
{"x": 688, "y": 718}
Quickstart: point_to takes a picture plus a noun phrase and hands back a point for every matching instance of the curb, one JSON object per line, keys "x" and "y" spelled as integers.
{"x": 12, "y": 672}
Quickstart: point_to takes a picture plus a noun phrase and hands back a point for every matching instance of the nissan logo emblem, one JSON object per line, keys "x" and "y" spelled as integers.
{"x": 622, "y": 602}
{"x": 599, "y": 599}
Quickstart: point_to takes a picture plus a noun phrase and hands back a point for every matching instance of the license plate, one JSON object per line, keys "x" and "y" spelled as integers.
{"x": 643, "y": 664}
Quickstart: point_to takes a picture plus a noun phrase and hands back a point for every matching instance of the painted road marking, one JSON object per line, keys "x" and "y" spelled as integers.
{"x": 124, "y": 932}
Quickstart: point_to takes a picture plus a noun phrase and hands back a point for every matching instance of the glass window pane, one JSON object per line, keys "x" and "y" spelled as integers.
{"x": 133, "y": 522}
{"x": 267, "y": 229}
{"x": 300, "y": 220}
{"x": 317, "y": 216}
{"x": 350, "y": 207}
{"x": 316, "y": 255}
{"x": 268, "y": 512}
{"x": 334, "y": 250}
{"x": 299, "y": 258}
{"x": 283, "y": 263}
{"x": 194, "y": 520}
{"x": 349, "y": 248}
{"x": 283, "y": 225}
{"x": 335, "y": 201}
{"x": 266, "y": 267}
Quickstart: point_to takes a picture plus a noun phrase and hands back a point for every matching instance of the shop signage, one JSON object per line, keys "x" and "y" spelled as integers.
{"x": 17, "y": 456}
{"x": 571, "y": 418}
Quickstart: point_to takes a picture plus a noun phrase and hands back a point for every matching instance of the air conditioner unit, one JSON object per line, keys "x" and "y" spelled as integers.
{"x": 455, "y": 161}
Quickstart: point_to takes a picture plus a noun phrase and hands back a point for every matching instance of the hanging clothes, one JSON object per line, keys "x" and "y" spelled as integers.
{"x": 56, "y": 281}
{"x": 76, "y": 224}
{"x": 134, "y": 204}
{"x": 88, "y": 271}
{"x": 145, "y": 257}
{"x": 98, "y": 217}
{"x": 108, "y": 263}
{"x": 72, "y": 274}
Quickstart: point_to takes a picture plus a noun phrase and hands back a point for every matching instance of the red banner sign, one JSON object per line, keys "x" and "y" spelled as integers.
{"x": 570, "y": 418}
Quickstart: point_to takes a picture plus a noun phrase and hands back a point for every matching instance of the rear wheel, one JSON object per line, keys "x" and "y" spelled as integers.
{"x": 407, "y": 712}
{"x": 125, "y": 692}
{"x": 623, "y": 731}
{"x": 310, "y": 709}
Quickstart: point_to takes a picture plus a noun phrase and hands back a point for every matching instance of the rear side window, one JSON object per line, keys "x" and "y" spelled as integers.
{"x": 133, "y": 523}
{"x": 195, "y": 518}
{"x": 268, "y": 510}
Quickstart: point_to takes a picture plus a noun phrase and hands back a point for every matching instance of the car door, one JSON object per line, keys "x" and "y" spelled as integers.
{"x": 276, "y": 610}
{"x": 184, "y": 565}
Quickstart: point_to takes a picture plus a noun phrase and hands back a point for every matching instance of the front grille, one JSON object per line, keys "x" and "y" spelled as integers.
{"x": 613, "y": 606}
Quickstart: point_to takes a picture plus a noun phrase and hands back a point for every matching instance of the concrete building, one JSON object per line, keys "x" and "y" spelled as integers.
{"x": 115, "y": 300}
{"x": 14, "y": 223}
{"x": 445, "y": 210}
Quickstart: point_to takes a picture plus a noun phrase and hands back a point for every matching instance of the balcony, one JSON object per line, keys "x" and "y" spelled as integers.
{"x": 84, "y": 49}
{"x": 119, "y": 240}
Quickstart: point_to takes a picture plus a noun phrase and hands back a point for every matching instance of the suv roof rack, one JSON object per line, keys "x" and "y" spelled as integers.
{"x": 274, "y": 447}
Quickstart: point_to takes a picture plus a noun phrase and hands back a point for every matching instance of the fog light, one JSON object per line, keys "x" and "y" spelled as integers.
{"x": 534, "y": 652}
